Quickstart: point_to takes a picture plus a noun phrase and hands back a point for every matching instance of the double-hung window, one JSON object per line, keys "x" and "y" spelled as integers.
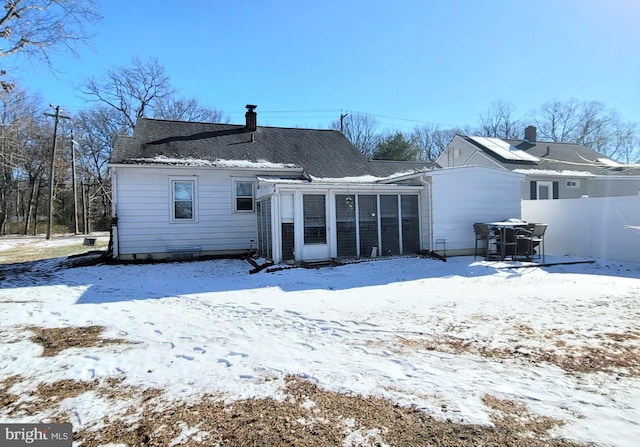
{"x": 244, "y": 195}
{"x": 183, "y": 200}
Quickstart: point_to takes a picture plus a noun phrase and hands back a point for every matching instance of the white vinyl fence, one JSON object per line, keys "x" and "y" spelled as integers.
{"x": 603, "y": 228}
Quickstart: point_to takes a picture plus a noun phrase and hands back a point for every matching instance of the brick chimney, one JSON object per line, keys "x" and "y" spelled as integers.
{"x": 251, "y": 117}
{"x": 530, "y": 134}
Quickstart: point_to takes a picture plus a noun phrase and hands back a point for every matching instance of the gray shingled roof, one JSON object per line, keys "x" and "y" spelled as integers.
{"x": 557, "y": 157}
{"x": 321, "y": 153}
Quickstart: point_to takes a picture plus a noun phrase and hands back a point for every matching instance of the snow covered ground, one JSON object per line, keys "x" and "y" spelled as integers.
{"x": 563, "y": 340}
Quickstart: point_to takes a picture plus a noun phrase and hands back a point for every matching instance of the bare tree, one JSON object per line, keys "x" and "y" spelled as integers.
{"x": 625, "y": 142}
{"x": 95, "y": 132}
{"x": 33, "y": 172}
{"x": 38, "y": 27}
{"x": 360, "y": 130}
{"x": 498, "y": 121}
{"x": 18, "y": 110}
{"x": 186, "y": 109}
{"x": 431, "y": 140}
{"x": 589, "y": 123}
{"x": 132, "y": 90}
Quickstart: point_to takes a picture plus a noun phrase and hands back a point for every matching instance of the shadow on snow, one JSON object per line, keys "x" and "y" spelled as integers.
{"x": 126, "y": 282}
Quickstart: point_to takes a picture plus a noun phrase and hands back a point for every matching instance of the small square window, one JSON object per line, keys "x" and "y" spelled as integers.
{"x": 573, "y": 183}
{"x": 244, "y": 196}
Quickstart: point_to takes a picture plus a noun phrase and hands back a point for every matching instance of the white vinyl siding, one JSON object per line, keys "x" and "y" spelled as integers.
{"x": 144, "y": 209}
{"x": 467, "y": 195}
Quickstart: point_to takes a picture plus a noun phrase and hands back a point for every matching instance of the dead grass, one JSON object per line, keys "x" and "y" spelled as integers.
{"x": 308, "y": 416}
{"x": 25, "y": 252}
{"x": 55, "y": 340}
{"x": 606, "y": 352}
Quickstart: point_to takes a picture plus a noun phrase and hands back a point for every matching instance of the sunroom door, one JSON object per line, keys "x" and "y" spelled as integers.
{"x": 315, "y": 243}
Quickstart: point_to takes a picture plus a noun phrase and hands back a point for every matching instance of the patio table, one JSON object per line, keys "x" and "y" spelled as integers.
{"x": 506, "y": 238}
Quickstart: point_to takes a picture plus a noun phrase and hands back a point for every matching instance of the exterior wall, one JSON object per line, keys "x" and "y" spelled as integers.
{"x": 142, "y": 204}
{"x": 614, "y": 187}
{"x": 564, "y": 191}
{"x": 604, "y": 227}
{"x": 461, "y": 197}
{"x": 592, "y": 186}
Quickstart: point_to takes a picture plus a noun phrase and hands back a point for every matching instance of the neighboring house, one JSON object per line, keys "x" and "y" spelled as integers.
{"x": 552, "y": 170}
{"x": 184, "y": 189}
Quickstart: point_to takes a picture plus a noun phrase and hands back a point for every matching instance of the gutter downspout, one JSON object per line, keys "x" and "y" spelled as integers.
{"x": 424, "y": 181}
{"x": 115, "y": 247}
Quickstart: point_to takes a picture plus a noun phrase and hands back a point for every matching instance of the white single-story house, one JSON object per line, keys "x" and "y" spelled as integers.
{"x": 185, "y": 189}
{"x": 552, "y": 170}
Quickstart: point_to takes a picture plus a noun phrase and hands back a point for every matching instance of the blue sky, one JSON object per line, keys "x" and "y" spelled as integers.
{"x": 408, "y": 62}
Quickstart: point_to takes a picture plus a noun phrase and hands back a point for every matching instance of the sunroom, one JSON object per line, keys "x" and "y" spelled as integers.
{"x": 303, "y": 221}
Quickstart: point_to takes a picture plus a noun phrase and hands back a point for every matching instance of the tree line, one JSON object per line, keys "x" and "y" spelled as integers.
{"x": 588, "y": 123}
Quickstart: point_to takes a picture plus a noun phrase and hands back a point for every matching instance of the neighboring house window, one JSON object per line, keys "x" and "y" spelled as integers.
{"x": 544, "y": 190}
{"x": 244, "y": 196}
{"x": 315, "y": 220}
{"x": 573, "y": 183}
{"x": 183, "y": 200}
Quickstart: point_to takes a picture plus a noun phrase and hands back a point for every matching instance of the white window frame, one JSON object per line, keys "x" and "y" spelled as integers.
{"x": 549, "y": 186}
{"x": 172, "y": 199}
{"x": 236, "y": 196}
{"x": 573, "y": 184}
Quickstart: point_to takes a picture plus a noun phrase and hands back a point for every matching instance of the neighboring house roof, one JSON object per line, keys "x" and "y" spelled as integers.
{"x": 385, "y": 168}
{"x": 558, "y": 158}
{"x": 321, "y": 153}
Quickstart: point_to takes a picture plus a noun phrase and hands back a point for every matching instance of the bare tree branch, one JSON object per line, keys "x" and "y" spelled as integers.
{"x": 35, "y": 27}
{"x": 360, "y": 130}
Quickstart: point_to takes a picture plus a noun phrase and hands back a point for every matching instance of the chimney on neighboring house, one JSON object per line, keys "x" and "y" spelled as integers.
{"x": 530, "y": 134}
{"x": 252, "y": 118}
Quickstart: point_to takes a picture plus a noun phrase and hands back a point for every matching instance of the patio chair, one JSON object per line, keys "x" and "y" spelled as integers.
{"x": 537, "y": 237}
{"x": 523, "y": 248}
{"x": 482, "y": 234}
{"x": 509, "y": 243}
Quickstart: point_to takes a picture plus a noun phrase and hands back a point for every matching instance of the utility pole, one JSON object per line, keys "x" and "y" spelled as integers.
{"x": 73, "y": 183}
{"x": 57, "y": 117}
{"x": 342, "y": 117}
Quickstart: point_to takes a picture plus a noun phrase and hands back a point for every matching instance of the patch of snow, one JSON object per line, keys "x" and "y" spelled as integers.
{"x": 367, "y": 328}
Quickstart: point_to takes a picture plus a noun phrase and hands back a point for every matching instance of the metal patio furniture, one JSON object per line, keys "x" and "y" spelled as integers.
{"x": 482, "y": 235}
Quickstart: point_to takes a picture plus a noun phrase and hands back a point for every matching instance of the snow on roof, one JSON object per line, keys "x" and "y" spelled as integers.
{"x": 360, "y": 179}
{"x": 275, "y": 179}
{"x": 260, "y": 164}
{"x": 563, "y": 173}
